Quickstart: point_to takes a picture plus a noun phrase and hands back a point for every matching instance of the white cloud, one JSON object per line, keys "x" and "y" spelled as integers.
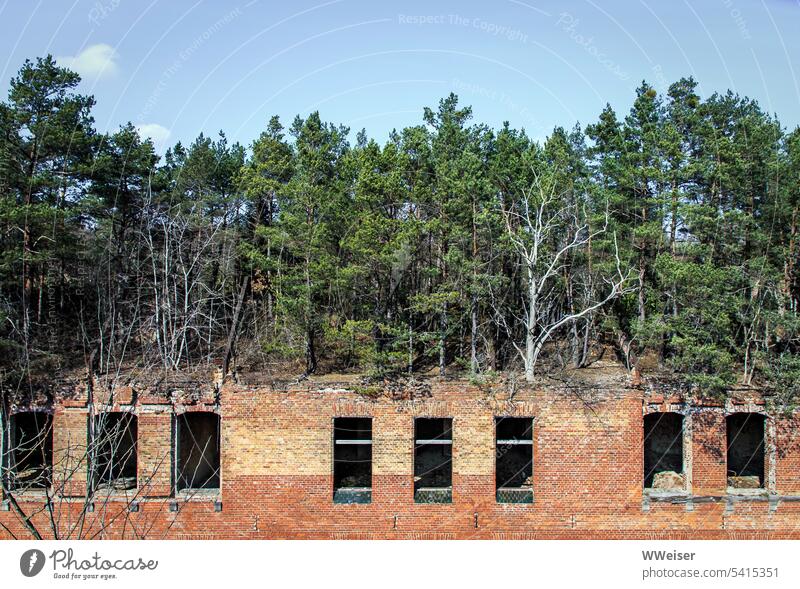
{"x": 93, "y": 62}
{"x": 158, "y": 133}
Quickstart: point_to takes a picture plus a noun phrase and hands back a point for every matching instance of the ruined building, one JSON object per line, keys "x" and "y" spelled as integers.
{"x": 421, "y": 459}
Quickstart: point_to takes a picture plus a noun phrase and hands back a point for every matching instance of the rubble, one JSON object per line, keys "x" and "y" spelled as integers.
{"x": 668, "y": 479}
{"x": 745, "y": 482}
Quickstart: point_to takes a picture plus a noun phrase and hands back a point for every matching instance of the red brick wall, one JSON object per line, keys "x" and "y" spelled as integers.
{"x": 709, "y": 474}
{"x": 277, "y": 471}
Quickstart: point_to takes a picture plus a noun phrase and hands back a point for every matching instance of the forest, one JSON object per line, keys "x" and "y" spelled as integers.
{"x": 666, "y": 238}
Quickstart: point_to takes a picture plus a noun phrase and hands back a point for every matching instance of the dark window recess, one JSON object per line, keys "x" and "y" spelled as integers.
{"x": 514, "y": 459}
{"x": 745, "y": 450}
{"x": 31, "y": 455}
{"x": 352, "y": 460}
{"x": 663, "y": 451}
{"x": 433, "y": 460}
{"x": 114, "y": 451}
{"x": 198, "y": 451}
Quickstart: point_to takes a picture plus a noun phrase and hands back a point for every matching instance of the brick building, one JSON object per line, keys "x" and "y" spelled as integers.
{"x": 442, "y": 459}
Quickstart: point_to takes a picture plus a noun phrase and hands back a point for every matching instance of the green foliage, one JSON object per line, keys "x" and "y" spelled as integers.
{"x": 783, "y": 374}
{"x": 385, "y": 258}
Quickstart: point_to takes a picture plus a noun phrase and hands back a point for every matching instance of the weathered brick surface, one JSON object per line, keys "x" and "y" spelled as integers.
{"x": 277, "y": 460}
{"x": 154, "y": 452}
{"x": 709, "y": 451}
{"x": 787, "y": 454}
{"x": 69, "y": 451}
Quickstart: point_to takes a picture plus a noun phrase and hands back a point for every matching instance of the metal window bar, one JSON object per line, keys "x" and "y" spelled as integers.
{"x": 505, "y": 493}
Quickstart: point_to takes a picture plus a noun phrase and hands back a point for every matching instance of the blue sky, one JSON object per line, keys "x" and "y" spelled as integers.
{"x": 176, "y": 68}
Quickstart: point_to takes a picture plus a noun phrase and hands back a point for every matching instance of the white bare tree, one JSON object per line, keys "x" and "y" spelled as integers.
{"x": 547, "y": 231}
{"x": 186, "y": 304}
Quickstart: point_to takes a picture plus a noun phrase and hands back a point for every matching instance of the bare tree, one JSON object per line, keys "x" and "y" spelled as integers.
{"x": 186, "y": 305}
{"x": 546, "y": 230}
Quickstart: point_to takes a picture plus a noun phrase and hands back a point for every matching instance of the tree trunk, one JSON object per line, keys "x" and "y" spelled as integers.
{"x": 474, "y": 306}
{"x": 474, "y": 336}
{"x": 442, "y": 339}
{"x": 229, "y": 347}
{"x": 642, "y": 315}
{"x": 530, "y": 339}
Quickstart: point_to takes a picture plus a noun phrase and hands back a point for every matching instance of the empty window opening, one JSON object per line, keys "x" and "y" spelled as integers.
{"x": 352, "y": 460}
{"x": 31, "y": 455}
{"x": 433, "y": 460}
{"x": 514, "y": 459}
{"x": 663, "y": 451}
{"x": 198, "y": 454}
{"x": 114, "y": 450}
{"x": 745, "y": 450}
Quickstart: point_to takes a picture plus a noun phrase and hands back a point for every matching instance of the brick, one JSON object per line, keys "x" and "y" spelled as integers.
{"x": 277, "y": 469}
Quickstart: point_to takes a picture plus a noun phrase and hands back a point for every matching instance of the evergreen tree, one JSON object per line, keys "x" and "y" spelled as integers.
{"x": 451, "y": 246}
{"x": 47, "y": 145}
